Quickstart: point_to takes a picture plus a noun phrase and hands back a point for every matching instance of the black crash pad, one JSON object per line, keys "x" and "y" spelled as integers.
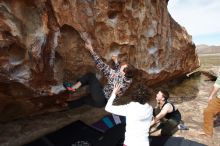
{"x": 80, "y": 134}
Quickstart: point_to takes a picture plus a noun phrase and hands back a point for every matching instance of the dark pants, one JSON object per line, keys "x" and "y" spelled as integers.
{"x": 113, "y": 136}
{"x": 96, "y": 97}
{"x": 168, "y": 126}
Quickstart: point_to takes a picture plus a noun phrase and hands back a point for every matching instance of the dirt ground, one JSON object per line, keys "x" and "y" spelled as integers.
{"x": 192, "y": 112}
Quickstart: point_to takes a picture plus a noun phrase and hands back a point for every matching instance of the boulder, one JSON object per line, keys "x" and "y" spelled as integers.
{"x": 41, "y": 45}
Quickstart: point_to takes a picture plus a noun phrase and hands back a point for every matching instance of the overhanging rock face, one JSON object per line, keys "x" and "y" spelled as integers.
{"x": 41, "y": 46}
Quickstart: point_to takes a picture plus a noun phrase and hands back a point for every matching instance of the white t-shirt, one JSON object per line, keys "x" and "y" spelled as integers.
{"x": 138, "y": 118}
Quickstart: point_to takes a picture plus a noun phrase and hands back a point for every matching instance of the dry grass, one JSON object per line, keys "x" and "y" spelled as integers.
{"x": 209, "y": 60}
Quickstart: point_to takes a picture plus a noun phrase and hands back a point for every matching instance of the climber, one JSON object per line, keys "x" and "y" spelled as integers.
{"x": 122, "y": 73}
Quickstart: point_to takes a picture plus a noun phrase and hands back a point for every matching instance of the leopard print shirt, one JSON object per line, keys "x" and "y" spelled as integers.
{"x": 113, "y": 76}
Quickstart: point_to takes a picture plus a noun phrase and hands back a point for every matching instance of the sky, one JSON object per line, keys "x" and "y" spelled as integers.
{"x": 201, "y": 18}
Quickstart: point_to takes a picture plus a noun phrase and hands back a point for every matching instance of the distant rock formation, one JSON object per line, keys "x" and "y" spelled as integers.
{"x": 41, "y": 46}
{"x": 206, "y": 49}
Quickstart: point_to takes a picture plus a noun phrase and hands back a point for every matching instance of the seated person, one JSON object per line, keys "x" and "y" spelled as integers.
{"x": 166, "y": 114}
{"x": 122, "y": 73}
